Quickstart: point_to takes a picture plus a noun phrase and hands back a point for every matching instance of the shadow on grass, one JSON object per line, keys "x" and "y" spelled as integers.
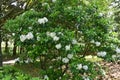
{"x": 32, "y": 69}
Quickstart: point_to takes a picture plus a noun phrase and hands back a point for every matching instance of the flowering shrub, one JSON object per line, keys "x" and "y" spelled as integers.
{"x": 60, "y": 32}
{"x": 74, "y": 68}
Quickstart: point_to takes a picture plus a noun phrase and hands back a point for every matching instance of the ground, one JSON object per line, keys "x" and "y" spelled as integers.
{"x": 112, "y": 69}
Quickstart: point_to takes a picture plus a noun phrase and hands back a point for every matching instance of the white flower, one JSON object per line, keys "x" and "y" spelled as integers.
{"x": 53, "y": 60}
{"x": 65, "y": 60}
{"x": 45, "y": 19}
{"x": 46, "y": 77}
{"x": 59, "y": 58}
{"x": 80, "y": 32}
{"x": 110, "y": 13}
{"x": 50, "y": 67}
{"x": 67, "y": 47}
{"x": 99, "y": 54}
{"x": 22, "y": 38}
{"x": 74, "y": 41}
{"x": 97, "y": 43}
{"x": 102, "y": 54}
{"x": 69, "y": 7}
{"x": 29, "y": 35}
{"x": 70, "y": 56}
{"x": 42, "y": 20}
{"x": 58, "y": 46}
{"x": 101, "y": 14}
{"x": 92, "y": 41}
{"x": 117, "y": 50}
{"x": 55, "y": 38}
{"x": 44, "y": 4}
{"x": 38, "y": 38}
{"x": 60, "y": 33}
{"x": 53, "y": 1}
{"x": 30, "y": 28}
{"x": 86, "y": 78}
{"x": 114, "y": 4}
{"x": 60, "y": 78}
{"x": 79, "y": 66}
{"x": 13, "y": 34}
{"x": 37, "y": 33}
{"x": 85, "y": 67}
{"x": 114, "y": 56}
{"x": 110, "y": 7}
{"x": 48, "y": 33}
{"x": 52, "y": 34}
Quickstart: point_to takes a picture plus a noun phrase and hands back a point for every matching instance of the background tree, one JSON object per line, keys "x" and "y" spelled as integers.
{"x": 9, "y": 9}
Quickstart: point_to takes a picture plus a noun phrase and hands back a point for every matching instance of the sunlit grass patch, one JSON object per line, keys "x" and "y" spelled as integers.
{"x": 93, "y": 58}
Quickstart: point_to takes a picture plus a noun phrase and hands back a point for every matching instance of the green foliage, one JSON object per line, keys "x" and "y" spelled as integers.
{"x": 11, "y": 73}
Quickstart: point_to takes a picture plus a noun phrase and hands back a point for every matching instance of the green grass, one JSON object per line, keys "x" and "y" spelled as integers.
{"x": 18, "y": 73}
{"x": 31, "y": 69}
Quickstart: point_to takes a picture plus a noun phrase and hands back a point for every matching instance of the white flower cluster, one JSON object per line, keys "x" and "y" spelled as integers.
{"x": 114, "y": 56}
{"x": 101, "y": 54}
{"x": 80, "y": 66}
{"x": 66, "y": 59}
{"x": 13, "y": 34}
{"x": 53, "y": 35}
{"x": 113, "y": 4}
{"x": 74, "y": 41}
{"x": 56, "y": 38}
{"x": 44, "y": 4}
{"x": 109, "y": 14}
{"x": 86, "y": 78}
{"x": 67, "y": 47}
{"x": 58, "y": 46}
{"x": 53, "y": 1}
{"x": 117, "y": 50}
{"x": 42, "y": 20}
{"x": 30, "y": 28}
{"x": 28, "y": 36}
{"x": 96, "y": 43}
{"x": 70, "y": 56}
{"x": 46, "y": 77}
{"x": 101, "y": 14}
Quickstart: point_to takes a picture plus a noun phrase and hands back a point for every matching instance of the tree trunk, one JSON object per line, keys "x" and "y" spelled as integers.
{"x": 21, "y": 49}
{"x": 6, "y": 46}
{"x": 14, "y": 49}
{"x": 0, "y": 48}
